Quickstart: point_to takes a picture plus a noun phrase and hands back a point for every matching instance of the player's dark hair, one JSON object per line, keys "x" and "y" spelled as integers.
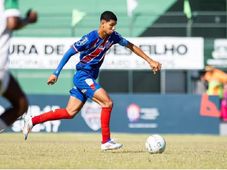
{"x": 107, "y": 16}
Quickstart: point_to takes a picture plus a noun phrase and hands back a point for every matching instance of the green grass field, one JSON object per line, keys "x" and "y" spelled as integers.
{"x": 76, "y": 150}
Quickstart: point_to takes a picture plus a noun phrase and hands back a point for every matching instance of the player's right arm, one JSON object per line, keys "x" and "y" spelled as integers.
{"x": 78, "y": 46}
{"x": 155, "y": 65}
{"x": 54, "y": 77}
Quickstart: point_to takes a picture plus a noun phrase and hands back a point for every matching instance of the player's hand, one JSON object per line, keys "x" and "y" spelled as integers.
{"x": 52, "y": 79}
{"x": 31, "y": 16}
{"x": 156, "y": 66}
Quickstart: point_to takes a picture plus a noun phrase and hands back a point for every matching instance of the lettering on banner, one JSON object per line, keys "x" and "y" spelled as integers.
{"x": 51, "y": 49}
{"x": 152, "y": 49}
{"x": 20, "y": 49}
{"x": 172, "y": 52}
{"x": 165, "y": 49}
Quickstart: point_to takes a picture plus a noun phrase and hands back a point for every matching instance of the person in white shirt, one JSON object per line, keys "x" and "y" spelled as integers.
{"x": 11, "y": 20}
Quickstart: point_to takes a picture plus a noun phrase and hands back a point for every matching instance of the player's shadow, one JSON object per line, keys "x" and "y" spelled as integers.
{"x": 125, "y": 151}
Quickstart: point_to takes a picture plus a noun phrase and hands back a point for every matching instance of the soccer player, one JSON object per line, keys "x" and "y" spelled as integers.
{"x": 92, "y": 48}
{"x": 10, "y": 20}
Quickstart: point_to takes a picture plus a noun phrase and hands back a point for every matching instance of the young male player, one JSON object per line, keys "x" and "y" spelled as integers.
{"x": 92, "y": 48}
{"x": 11, "y": 20}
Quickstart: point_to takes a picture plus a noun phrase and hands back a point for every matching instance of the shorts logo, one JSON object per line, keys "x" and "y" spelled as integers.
{"x": 84, "y": 90}
{"x": 90, "y": 83}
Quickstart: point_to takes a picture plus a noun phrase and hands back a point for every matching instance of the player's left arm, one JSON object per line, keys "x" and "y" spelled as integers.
{"x": 155, "y": 65}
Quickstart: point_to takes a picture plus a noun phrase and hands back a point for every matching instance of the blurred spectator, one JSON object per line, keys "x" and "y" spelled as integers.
{"x": 224, "y": 104}
{"x": 200, "y": 85}
{"x": 217, "y": 85}
{"x": 216, "y": 79}
{"x": 11, "y": 20}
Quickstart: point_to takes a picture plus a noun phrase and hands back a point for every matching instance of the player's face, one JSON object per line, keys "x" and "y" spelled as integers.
{"x": 109, "y": 26}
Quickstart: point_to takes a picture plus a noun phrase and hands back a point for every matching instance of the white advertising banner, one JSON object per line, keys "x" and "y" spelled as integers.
{"x": 172, "y": 52}
{"x": 219, "y": 54}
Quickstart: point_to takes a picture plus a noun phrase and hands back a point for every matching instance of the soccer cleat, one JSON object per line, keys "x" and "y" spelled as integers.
{"x": 110, "y": 145}
{"x": 27, "y": 126}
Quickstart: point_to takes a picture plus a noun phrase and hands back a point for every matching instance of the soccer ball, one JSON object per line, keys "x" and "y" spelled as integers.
{"x": 155, "y": 144}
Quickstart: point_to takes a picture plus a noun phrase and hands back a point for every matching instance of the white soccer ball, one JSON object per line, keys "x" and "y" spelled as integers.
{"x": 155, "y": 144}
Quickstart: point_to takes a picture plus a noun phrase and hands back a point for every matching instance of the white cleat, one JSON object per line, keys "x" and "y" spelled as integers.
{"x": 27, "y": 126}
{"x": 110, "y": 145}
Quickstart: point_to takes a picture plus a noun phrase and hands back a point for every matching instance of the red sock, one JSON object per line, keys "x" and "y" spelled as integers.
{"x": 105, "y": 123}
{"x": 51, "y": 115}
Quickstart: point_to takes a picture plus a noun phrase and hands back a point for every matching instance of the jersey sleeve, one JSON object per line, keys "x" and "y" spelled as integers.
{"x": 63, "y": 61}
{"x": 120, "y": 40}
{"x": 11, "y": 8}
{"x": 83, "y": 43}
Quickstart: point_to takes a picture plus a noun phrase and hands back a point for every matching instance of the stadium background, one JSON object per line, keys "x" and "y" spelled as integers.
{"x": 164, "y": 103}
{"x": 163, "y": 18}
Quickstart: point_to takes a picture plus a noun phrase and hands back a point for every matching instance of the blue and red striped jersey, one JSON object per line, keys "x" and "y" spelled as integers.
{"x": 92, "y": 49}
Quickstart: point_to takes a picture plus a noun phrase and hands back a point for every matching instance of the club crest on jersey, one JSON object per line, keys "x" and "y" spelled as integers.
{"x": 91, "y": 114}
